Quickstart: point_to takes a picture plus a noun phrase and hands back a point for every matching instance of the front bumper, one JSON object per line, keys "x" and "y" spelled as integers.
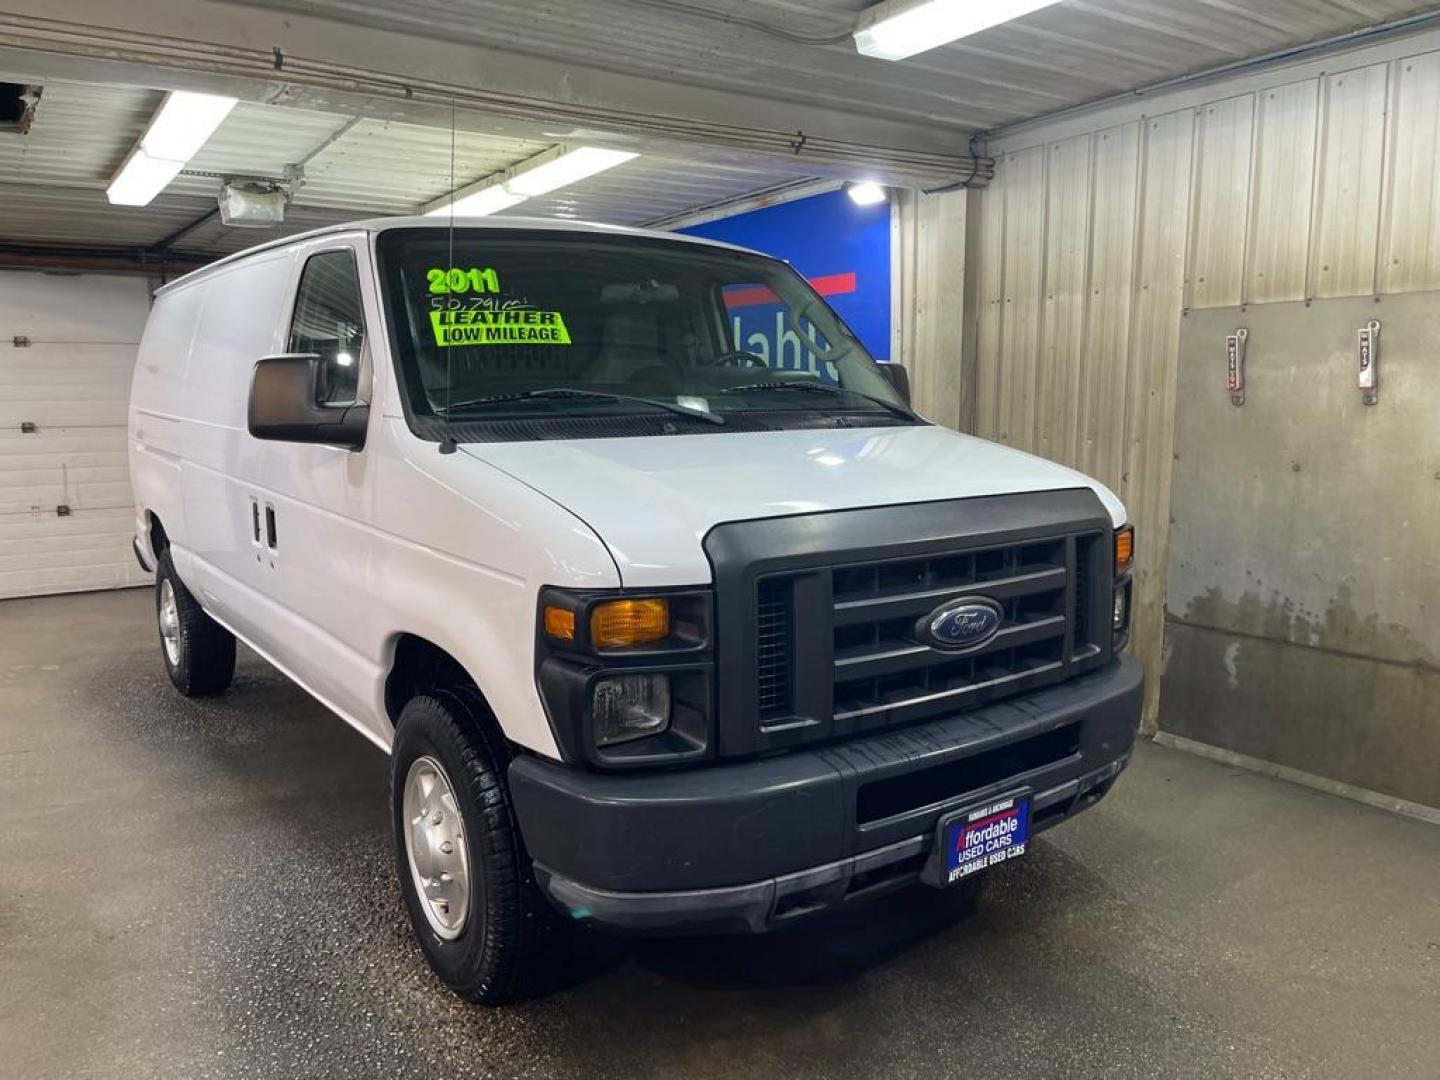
{"x": 757, "y": 844}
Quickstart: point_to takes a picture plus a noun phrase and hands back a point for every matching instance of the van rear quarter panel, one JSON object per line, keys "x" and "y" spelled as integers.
{"x": 157, "y": 404}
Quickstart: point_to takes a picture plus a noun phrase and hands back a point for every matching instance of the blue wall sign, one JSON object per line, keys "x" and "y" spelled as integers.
{"x": 844, "y": 252}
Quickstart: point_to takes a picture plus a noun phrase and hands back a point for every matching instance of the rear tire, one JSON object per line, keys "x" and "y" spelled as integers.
{"x": 485, "y": 929}
{"x": 199, "y": 653}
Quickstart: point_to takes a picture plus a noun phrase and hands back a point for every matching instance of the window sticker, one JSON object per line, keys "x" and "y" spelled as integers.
{"x": 466, "y": 308}
{"x": 510, "y": 327}
{"x": 456, "y": 280}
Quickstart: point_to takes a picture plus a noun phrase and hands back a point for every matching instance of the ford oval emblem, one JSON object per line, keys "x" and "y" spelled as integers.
{"x": 966, "y": 623}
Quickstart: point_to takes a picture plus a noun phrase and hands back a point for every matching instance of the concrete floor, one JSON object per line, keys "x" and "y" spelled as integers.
{"x": 206, "y": 890}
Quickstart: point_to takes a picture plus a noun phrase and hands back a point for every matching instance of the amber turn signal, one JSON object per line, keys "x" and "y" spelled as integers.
{"x": 560, "y": 623}
{"x": 1124, "y": 548}
{"x": 618, "y": 623}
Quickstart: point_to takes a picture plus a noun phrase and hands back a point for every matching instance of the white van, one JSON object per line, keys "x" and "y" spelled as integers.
{"x": 664, "y": 626}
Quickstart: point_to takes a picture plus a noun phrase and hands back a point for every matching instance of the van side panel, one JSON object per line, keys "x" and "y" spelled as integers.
{"x": 392, "y": 539}
{"x": 238, "y": 325}
{"x": 157, "y": 393}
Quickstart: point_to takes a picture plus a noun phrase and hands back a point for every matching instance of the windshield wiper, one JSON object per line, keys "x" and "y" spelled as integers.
{"x": 824, "y": 388}
{"x": 598, "y": 395}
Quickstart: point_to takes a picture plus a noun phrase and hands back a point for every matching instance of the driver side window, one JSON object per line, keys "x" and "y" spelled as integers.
{"x": 329, "y": 320}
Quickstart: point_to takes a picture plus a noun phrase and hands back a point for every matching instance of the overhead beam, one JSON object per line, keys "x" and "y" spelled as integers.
{"x": 799, "y": 189}
{"x": 90, "y": 260}
{"x": 323, "y": 63}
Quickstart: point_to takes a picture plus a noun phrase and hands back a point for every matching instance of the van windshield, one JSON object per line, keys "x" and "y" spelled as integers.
{"x": 497, "y": 325}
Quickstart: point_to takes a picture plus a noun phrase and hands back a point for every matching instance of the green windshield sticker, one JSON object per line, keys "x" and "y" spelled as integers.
{"x": 512, "y": 327}
{"x": 456, "y": 280}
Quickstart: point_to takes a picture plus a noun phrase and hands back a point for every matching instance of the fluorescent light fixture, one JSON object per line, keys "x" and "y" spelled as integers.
{"x": 896, "y": 29}
{"x": 181, "y": 126}
{"x": 866, "y": 193}
{"x": 141, "y": 178}
{"x": 539, "y": 175}
{"x": 184, "y": 123}
{"x": 490, "y": 200}
{"x": 569, "y": 168}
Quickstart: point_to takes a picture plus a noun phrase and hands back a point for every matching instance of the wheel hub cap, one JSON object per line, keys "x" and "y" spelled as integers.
{"x": 169, "y": 623}
{"x": 435, "y": 847}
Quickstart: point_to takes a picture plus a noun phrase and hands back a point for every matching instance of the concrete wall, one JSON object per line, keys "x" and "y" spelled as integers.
{"x": 1317, "y": 179}
{"x": 1304, "y": 564}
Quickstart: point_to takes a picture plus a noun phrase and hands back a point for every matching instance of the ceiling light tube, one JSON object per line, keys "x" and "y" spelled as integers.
{"x": 546, "y": 172}
{"x": 141, "y": 178}
{"x": 184, "y": 123}
{"x": 570, "y": 167}
{"x": 180, "y": 127}
{"x": 486, "y": 200}
{"x": 896, "y": 29}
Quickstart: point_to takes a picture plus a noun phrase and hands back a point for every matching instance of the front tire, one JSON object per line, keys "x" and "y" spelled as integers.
{"x": 481, "y": 921}
{"x": 199, "y": 653}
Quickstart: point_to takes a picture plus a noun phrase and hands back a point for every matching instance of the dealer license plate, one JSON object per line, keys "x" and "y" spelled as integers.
{"x": 983, "y": 836}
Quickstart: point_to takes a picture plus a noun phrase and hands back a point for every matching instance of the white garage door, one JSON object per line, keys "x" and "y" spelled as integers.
{"x": 67, "y": 348}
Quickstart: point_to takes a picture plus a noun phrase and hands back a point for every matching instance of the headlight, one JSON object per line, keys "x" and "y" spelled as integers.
{"x": 627, "y": 681}
{"x": 626, "y": 707}
{"x": 1120, "y": 617}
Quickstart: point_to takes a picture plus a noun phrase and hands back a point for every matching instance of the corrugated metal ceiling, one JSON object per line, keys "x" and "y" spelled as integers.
{"x": 52, "y": 179}
{"x": 1074, "y": 52}
{"x": 79, "y": 131}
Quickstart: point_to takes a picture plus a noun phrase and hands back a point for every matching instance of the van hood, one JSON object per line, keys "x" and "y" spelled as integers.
{"x": 652, "y": 500}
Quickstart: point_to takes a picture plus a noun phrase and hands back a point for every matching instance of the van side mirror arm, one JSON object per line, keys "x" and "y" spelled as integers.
{"x": 284, "y": 407}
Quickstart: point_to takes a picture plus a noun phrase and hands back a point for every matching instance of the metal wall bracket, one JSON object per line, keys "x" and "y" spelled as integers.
{"x": 1235, "y": 365}
{"x": 27, "y": 427}
{"x": 20, "y": 341}
{"x": 1368, "y": 350}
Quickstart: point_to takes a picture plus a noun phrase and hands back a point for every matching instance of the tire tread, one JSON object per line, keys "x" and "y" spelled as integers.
{"x": 207, "y": 653}
{"x": 525, "y": 938}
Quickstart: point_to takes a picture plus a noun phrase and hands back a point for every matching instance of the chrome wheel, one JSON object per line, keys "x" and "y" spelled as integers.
{"x": 169, "y": 623}
{"x": 435, "y": 847}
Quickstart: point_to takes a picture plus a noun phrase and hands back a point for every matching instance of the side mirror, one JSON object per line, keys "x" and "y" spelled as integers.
{"x": 899, "y": 380}
{"x": 284, "y": 405}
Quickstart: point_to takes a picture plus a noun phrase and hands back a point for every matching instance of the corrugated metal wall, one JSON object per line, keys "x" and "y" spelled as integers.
{"x": 1090, "y": 246}
{"x": 929, "y": 253}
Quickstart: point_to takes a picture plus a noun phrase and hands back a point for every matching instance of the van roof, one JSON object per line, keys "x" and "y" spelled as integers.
{"x": 376, "y": 225}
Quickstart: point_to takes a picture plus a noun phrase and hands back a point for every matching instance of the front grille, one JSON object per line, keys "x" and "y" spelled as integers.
{"x": 774, "y": 621}
{"x": 1087, "y": 557}
{"x": 882, "y": 666}
{"x": 883, "y": 672}
{"x": 818, "y": 615}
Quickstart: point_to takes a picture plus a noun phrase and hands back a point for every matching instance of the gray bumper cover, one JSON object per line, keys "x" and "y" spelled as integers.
{"x": 754, "y": 845}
